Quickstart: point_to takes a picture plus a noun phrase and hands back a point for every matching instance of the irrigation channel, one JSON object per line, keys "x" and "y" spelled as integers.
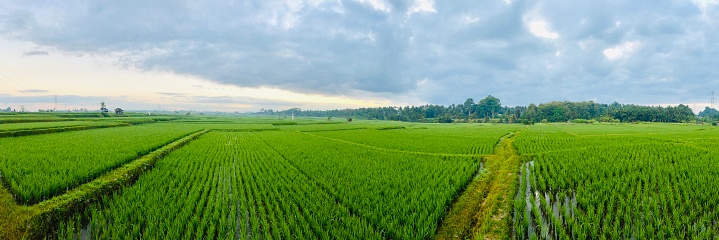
{"x": 481, "y": 210}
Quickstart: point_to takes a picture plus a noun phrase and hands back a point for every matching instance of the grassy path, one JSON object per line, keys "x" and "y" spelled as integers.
{"x": 483, "y": 210}
{"x": 48, "y": 130}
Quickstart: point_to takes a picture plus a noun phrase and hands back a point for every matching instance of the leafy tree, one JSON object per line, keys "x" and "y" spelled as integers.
{"x": 489, "y": 106}
{"x": 490, "y": 109}
{"x": 709, "y": 113}
{"x": 468, "y": 107}
{"x": 532, "y": 113}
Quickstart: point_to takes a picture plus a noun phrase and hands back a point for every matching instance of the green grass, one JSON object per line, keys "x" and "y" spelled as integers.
{"x": 470, "y": 139}
{"x": 39, "y": 167}
{"x": 319, "y": 179}
{"x": 224, "y": 185}
{"x": 286, "y": 184}
{"x": 621, "y": 181}
{"x": 37, "y": 125}
{"x": 403, "y": 193}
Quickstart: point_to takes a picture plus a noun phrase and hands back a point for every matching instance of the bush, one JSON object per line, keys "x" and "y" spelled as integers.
{"x": 444, "y": 120}
{"x": 579, "y": 120}
{"x": 81, "y": 115}
{"x": 284, "y": 123}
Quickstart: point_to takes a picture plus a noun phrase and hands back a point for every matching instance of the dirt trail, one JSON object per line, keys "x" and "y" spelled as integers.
{"x": 483, "y": 209}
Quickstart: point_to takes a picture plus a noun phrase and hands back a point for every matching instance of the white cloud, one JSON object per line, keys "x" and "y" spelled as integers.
{"x": 583, "y": 45}
{"x": 338, "y": 8}
{"x": 622, "y": 50}
{"x": 540, "y": 28}
{"x": 420, "y": 6}
{"x": 377, "y": 5}
{"x": 706, "y": 6}
{"x": 469, "y": 19}
{"x": 287, "y": 14}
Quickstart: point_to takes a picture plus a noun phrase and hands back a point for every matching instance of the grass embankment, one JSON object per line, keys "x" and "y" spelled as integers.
{"x": 483, "y": 210}
{"x": 37, "y": 221}
{"x": 37, "y": 128}
{"x": 38, "y": 131}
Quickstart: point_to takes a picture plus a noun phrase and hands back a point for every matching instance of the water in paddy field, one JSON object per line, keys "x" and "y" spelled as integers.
{"x": 533, "y": 198}
{"x": 528, "y": 197}
{"x": 479, "y": 170}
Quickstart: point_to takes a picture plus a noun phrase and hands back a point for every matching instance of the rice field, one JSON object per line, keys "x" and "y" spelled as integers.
{"x": 330, "y": 179}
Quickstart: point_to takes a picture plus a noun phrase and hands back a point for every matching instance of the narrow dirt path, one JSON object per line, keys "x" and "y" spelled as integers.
{"x": 483, "y": 209}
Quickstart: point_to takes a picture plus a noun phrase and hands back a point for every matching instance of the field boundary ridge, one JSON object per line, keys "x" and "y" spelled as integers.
{"x": 39, "y": 220}
{"x": 482, "y": 209}
{"x": 40, "y": 131}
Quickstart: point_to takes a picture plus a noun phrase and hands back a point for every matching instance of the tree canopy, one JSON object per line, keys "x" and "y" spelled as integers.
{"x": 490, "y": 109}
{"x": 709, "y": 113}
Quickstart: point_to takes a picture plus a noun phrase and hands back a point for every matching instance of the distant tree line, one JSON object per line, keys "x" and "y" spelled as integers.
{"x": 489, "y": 109}
{"x": 615, "y": 112}
{"x": 709, "y": 115}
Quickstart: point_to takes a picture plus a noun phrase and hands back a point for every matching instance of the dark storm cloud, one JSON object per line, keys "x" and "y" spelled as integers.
{"x": 639, "y": 52}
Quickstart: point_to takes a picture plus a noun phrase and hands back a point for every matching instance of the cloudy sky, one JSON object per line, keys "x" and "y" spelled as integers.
{"x": 317, "y": 54}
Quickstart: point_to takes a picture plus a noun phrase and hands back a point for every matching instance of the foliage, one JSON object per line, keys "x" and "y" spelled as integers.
{"x": 579, "y": 120}
{"x": 709, "y": 113}
{"x": 565, "y": 111}
{"x": 489, "y": 109}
